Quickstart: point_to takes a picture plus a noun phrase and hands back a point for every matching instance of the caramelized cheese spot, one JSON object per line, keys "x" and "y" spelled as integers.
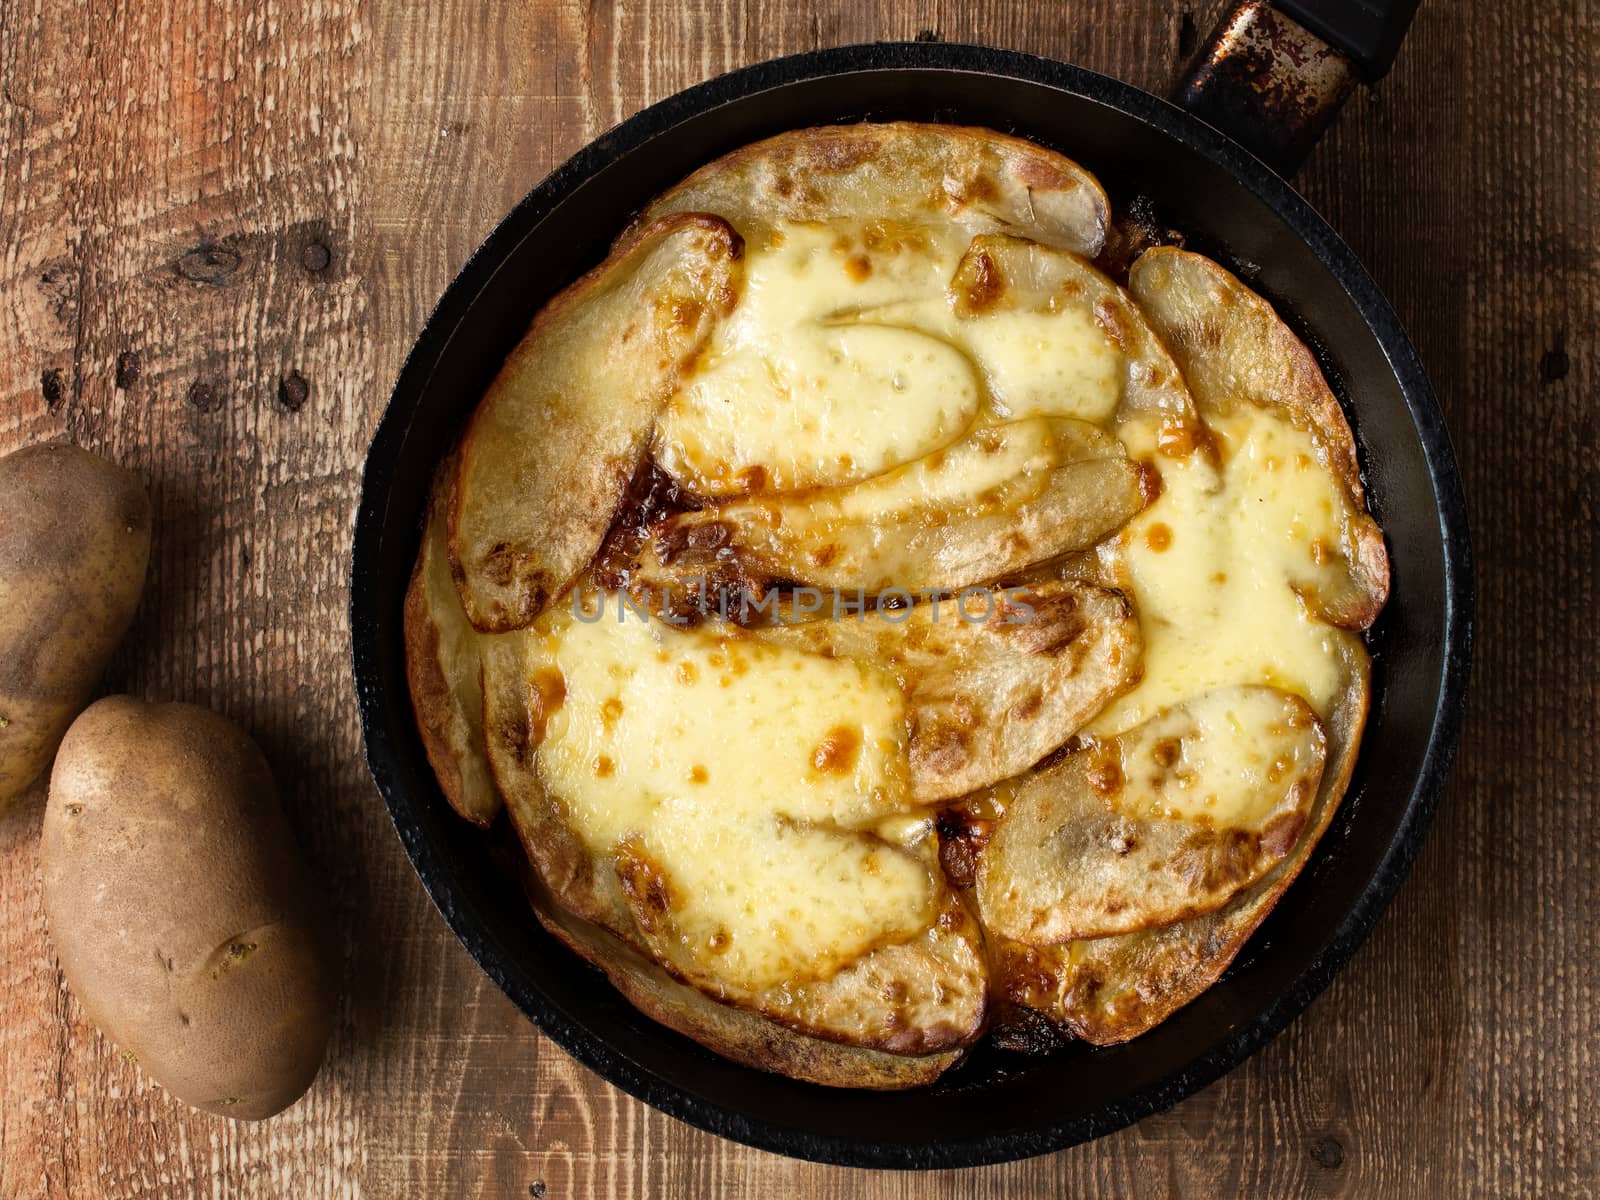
{"x": 547, "y": 690}
{"x": 1106, "y": 778}
{"x": 983, "y": 287}
{"x": 838, "y": 751}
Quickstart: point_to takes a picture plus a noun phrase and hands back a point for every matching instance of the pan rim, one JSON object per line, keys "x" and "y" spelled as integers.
{"x": 950, "y": 1148}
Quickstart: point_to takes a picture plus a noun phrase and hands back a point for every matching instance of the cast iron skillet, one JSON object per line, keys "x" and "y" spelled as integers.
{"x": 997, "y": 1106}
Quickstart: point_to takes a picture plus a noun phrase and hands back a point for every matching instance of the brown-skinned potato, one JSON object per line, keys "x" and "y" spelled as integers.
{"x": 180, "y": 908}
{"x": 74, "y": 545}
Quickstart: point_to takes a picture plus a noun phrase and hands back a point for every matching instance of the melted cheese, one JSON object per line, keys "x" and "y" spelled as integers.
{"x": 845, "y": 358}
{"x": 1045, "y": 363}
{"x": 1213, "y": 564}
{"x": 817, "y": 406}
{"x": 1224, "y": 758}
{"x": 807, "y": 405}
{"x": 741, "y": 773}
{"x": 999, "y": 466}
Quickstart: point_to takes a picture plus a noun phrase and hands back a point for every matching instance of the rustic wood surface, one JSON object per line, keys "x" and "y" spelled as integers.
{"x": 220, "y": 228}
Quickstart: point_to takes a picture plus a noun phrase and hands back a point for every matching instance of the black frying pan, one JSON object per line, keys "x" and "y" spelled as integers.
{"x": 997, "y": 1106}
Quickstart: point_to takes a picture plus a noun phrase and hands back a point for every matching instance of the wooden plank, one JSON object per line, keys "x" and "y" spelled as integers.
{"x": 168, "y": 171}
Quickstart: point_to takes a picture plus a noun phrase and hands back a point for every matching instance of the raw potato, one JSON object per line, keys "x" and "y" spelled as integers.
{"x": 74, "y": 544}
{"x": 181, "y": 909}
{"x": 548, "y": 454}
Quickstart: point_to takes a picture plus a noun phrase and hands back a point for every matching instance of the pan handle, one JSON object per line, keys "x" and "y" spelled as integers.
{"x": 1273, "y": 76}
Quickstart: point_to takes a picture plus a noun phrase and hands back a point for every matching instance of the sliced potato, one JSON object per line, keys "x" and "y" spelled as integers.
{"x": 550, "y": 449}
{"x": 1166, "y": 821}
{"x": 999, "y": 500}
{"x": 698, "y": 849}
{"x": 443, "y": 665}
{"x": 900, "y": 171}
{"x": 1110, "y": 989}
{"x": 994, "y": 681}
{"x": 1057, "y": 338}
{"x": 1234, "y": 349}
{"x": 737, "y": 1033}
{"x": 74, "y": 545}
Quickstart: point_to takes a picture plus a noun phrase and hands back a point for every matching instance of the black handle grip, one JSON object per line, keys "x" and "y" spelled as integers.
{"x": 1367, "y": 32}
{"x": 1274, "y": 73}
{"x": 1268, "y": 82}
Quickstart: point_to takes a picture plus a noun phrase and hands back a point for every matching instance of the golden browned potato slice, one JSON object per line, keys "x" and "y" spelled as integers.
{"x": 1166, "y": 821}
{"x": 1234, "y": 350}
{"x": 443, "y": 668}
{"x": 744, "y": 1036}
{"x": 699, "y": 869}
{"x": 548, "y": 454}
{"x": 1058, "y": 338}
{"x": 1111, "y": 989}
{"x": 983, "y": 181}
{"x": 999, "y": 500}
{"x": 994, "y": 681}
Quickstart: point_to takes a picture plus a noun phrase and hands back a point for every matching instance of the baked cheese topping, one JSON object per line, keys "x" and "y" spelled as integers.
{"x": 1224, "y": 758}
{"x": 1045, "y": 362}
{"x": 1215, "y": 561}
{"x": 847, "y": 357}
{"x": 741, "y": 774}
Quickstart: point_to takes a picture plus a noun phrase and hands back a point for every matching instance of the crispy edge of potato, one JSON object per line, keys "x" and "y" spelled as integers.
{"x": 969, "y": 728}
{"x": 555, "y": 855}
{"x": 564, "y": 522}
{"x": 810, "y": 174}
{"x": 734, "y": 1033}
{"x": 750, "y": 543}
{"x": 586, "y": 886}
{"x": 448, "y": 708}
{"x": 1212, "y": 865}
{"x": 1231, "y": 344}
{"x": 1001, "y": 269}
{"x": 1163, "y": 969}
{"x": 48, "y": 673}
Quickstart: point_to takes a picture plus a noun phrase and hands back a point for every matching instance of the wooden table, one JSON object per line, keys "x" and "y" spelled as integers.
{"x": 220, "y": 228}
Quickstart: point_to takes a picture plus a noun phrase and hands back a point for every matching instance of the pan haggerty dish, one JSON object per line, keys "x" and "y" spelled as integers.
{"x": 677, "y": 610}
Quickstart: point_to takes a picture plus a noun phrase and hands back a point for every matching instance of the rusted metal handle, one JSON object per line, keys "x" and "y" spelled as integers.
{"x": 1272, "y": 84}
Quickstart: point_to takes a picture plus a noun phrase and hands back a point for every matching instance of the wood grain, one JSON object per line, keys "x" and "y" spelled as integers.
{"x": 262, "y": 202}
